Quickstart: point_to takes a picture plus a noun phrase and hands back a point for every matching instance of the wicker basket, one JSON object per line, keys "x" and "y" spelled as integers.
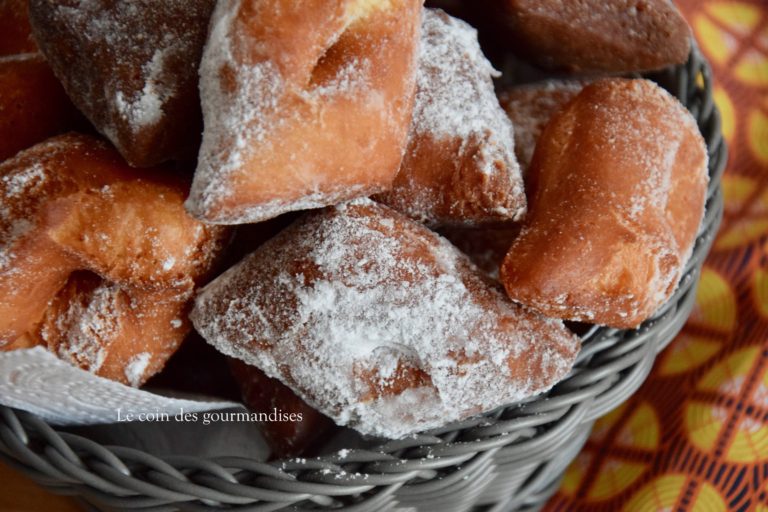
{"x": 509, "y": 459}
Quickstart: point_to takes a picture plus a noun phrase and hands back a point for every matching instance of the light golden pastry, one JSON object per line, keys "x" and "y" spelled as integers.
{"x": 618, "y": 184}
{"x": 15, "y": 32}
{"x": 593, "y": 35}
{"x": 131, "y": 68}
{"x": 380, "y": 324}
{"x": 71, "y": 204}
{"x": 531, "y": 106}
{"x": 33, "y": 105}
{"x": 304, "y": 104}
{"x": 459, "y": 167}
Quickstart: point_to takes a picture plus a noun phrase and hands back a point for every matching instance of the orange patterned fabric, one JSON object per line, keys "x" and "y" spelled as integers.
{"x": 695, "y": 436}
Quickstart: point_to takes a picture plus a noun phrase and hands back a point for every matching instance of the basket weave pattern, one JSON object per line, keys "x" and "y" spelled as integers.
{"x": 509, "y": 459}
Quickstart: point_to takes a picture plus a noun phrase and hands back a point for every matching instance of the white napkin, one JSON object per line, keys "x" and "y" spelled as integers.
{"x": 36, "y": 381}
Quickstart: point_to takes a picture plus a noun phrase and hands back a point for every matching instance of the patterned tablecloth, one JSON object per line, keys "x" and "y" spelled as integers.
{"x": 695, "y": 437}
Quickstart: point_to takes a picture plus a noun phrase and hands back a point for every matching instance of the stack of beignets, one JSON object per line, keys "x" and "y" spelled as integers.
{"x": 70, "y": 205}
{"x": 358, "y": 308}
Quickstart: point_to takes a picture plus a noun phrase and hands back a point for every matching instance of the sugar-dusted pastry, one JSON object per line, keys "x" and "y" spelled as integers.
{"x": 618, "y": 183}
{"x": 97, "y": 260}
{"x": 593, "y": 35}
{"x": 119, "y": 331}
{"x": 33, "y": 105}
{"x": 295, "y": 426}
{"x": 305, "y": 105}
{"x": 460, "y": 165}
{"x": 15, "y": 32}
{"x": 380, "y": 324}
{"x": 531, "y": 106}
{"x": 131, "y": 68}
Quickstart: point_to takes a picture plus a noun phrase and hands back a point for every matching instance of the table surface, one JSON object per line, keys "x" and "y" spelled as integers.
{"x": 21, "y": 494}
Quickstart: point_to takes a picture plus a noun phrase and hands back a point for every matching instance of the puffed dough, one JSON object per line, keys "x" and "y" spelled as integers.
{"x": 617, "y": 191}
{"x": 305, "y": 104}
{"x": 380, "y": 323}
{"x": 71, "y": 204}
{"x": 460, "y": 166}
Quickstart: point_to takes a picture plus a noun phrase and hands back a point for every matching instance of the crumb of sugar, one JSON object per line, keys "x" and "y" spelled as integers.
{"x": 137, "y": 367}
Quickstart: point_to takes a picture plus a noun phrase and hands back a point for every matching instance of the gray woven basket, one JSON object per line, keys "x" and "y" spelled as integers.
{"x": 509, "y": 459}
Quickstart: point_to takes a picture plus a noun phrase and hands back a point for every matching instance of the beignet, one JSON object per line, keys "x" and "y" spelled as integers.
{"x": 380, "y": 324}
{"x": 71, "y": 204}
{"x": 617, "y": 191}
{"x": 304, "y": 105}
{"x": 594, "y": 35}
{"x": 459, "y": 167}
{"x": 131, "y": 68}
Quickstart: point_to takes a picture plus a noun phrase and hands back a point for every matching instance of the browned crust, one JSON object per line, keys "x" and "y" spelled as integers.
{"x": 617, "y": 186}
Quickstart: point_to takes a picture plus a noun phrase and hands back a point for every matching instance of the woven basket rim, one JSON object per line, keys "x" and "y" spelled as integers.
{"x": 611, "y": 365}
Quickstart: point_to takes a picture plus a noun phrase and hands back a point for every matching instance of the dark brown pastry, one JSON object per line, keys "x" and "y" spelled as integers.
{"x": 131, "y": 68}
{"x": 33, "y": 105}
{"x": 296, "y": 425}
{"x": 593, "y": 35}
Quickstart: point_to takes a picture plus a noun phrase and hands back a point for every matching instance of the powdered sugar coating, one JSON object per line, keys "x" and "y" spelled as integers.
{"x": 460, "y": 165}
{"x": 380, "y": 323}
{"x": 293, "y": 123}
{"x": 455, "y": 97}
